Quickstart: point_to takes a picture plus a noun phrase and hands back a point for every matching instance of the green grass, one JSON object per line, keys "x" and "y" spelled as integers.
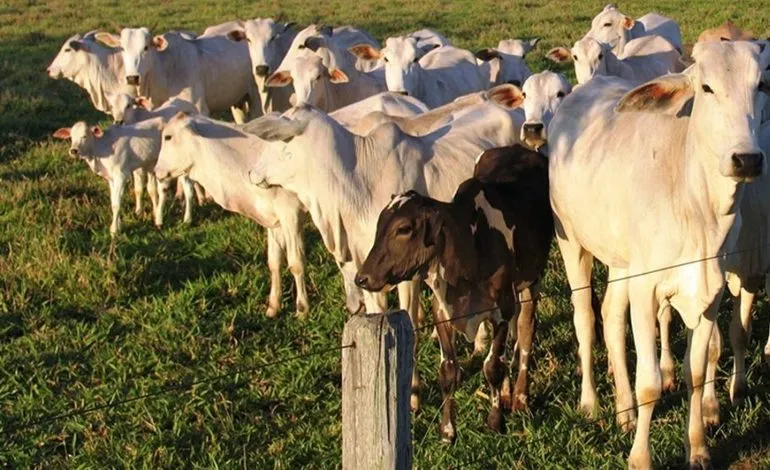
{"x": 81, "y": 325}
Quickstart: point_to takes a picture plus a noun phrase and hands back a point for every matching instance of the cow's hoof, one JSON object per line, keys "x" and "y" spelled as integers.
{"x": 710, "y": 412}
{"x": 700, "y": 462}
{"x": 271, "y": 312}
{"x": 414, "y": 402}
{"x": 495, "y": 420}
{"x": 669, "y": 380}
{"x": 627, "y": 420}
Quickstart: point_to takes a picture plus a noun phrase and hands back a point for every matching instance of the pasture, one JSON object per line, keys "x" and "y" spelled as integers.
{"x": 84, "y": 322}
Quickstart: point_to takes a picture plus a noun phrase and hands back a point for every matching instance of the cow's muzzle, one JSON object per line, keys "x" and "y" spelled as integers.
{"x": 132, "y": 80}
{"x": 748, "y": 165}
{"x": 261, "y": 70}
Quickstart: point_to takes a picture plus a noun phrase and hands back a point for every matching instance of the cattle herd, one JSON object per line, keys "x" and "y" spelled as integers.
{"x": 420, "y": 161}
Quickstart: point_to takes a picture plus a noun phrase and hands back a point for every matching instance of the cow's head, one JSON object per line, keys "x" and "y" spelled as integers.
{"x": 72, "y": 59}
{"x": 310, "y": 77}
{"x": 176, "y": 153}
{"x": 125, "y": 108}
{"x": 138, "y": 45}
{"x": 402, "y": 62}
{"x": 82, "y": 138}
{"x": 510, "y": 56}
{"x": 588, "y": 55}
{"x": 263, "y": 36}
{"x": 542, "y": 94}
{"x": 406, "y": 243}
{"x": 611, "y": 27}
{"x": 724, "y": 92}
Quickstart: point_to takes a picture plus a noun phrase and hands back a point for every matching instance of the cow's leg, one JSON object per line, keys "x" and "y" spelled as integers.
{"x": 614, "y": 310}
{"x": 160, "y": 207}
{"x": 275, "y": 247}
{"x": 481, "y": 340}
{"x": 187, "y": 186}
{"x": 448, "y": 377}
{"x": 698, "y": 345}
{"x": 667, "y": 371}
{"x": 200, "y": 193}
{"x": 525, "y": 336}
{"x": 152, "y": 190}
{"x": 495, "y": 368}
{"x": 116, "y": 193}
{"x": 295, "y": 257}
{"x": 710, "y": 402}
{"x": 139, "y": 176}
{"x": 740, "y": 333}
{"x": 648, "y": 384}
{"x": 578, "y": 264}
{"x": 409, "y": 300}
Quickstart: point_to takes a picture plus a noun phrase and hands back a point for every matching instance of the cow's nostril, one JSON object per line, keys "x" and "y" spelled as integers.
{"x": 362, "y": 281}
{"x": 132, "y": 80}
{"x": 261, "y": 70}
{"x": 535, "y": 128}
{"x": 73, "y": 151}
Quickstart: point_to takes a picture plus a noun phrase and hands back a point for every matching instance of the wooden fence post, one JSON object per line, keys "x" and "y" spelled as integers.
{"x": 376, "y": 388}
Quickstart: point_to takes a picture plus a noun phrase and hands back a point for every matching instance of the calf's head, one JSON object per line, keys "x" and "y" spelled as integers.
{"x": 588, "y": 55}
{"x": 406, "y": 242}
{"x": 510, "y": 56}
{"x": 310, "y": 76}
{"x": 724, "y": 92}
{"x": 402, "y": 62}
{"x": 611, "y": 27}
{"x": 72, "y": 59}
{"x": 82, "y": 138}
{"x": 175, "y": 158}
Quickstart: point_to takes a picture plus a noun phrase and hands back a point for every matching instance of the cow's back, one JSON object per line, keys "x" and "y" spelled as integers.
{"x": 225, "y": 71}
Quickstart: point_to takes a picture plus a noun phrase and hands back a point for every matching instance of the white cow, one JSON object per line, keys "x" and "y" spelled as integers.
{"x": 213, "y": 73}
{"x": 326, "y": 89}
{"x": 96, "y": 69}
{"x": 218, "y": 156}
{"x": 643, "y": 59}
{"x": 268, "y": 44}
{"x": 345, "y": 180}
{"x": 648, "y": 180}
{"x": 616, "y": 29}
{"x": 505, "y": 63}
{"x": 435, "y": 78}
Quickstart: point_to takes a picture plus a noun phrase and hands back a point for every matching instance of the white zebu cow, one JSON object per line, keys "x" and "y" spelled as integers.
{"x": 116, "y": 152}
{"x": 649, "y": 181}
{"x": 96, "y": 69}
{"x": 213, "y": 73}
{"x": 344, "y": 180}
{"x": 435, "y": 78}
{"x": 505, "y": 63}
{"x": 218, "y": 156}
{"x": 268, "y": 44}
{"x": 643, "y": 59}
{"x": 326, "y": 89}
{"x": 616, "y": 29}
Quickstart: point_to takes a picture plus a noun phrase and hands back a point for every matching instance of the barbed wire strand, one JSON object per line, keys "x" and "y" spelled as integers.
{"x": 12, "y": 427}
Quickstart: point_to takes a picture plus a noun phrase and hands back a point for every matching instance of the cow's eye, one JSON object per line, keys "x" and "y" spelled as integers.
{"x": 560, "y": 94}
{"x": 167, "y": 137}
{"x": 68, "y": 50}
{"x": 574, "y": 57}
{"x": 317, "y": 77}
{"x": 301, "y": 46}
{"x": 146, "y": 47}
{"x": 600, "y": 56}
{"x": 523, "y": 95}
{"x": 385, "y": 59}
{"x": 607, "y": 25}
{"x": 707, "y": 89}
{"x": 404, "y": 230}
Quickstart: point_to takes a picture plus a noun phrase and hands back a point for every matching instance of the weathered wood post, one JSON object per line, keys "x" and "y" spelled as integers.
{"x": 376, "y": 388}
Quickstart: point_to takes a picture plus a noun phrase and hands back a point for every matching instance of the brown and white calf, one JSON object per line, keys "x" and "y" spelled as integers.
{"x": 478, "y": 253}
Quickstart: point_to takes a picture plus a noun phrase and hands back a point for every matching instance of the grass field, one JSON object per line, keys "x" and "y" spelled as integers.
{"x": 81, "y": 326}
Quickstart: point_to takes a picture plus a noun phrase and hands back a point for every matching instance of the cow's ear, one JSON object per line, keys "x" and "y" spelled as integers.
{"x": 237, "y": 35}
{"x": 273, "y": 128}
{"x": 62, "y": 133}
{"x": 279, "y": 79}
{"x": 610, "y": 6}
{"x": 559, "y": 55}
{"x": 160, "y": 43}
{"x": 97, "y": 131}
{"x": 365, "y": 51}
{"x": 76, "y": 45}
{"x": 665, "y": 95}
{"x": 530, "y": 44}
{"x": 109, "y": 39}
{"x": 337, "y": 76}
{"x": 433, "y": 225}
{"x": 628, "y": 22}
{"x": 506, "y": 95}
{"x": 315, "y": 42}
{"x": 143, "y": 102}
{"x": 488, "y": 54}
{"x": 326, "y": 30}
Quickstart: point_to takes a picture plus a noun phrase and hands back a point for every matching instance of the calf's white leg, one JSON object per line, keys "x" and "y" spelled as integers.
{"x": 139, "y": 176}
{"x": 187, "y": 186}
{"x": 116, "y": 193}
{"x": 275, "y": 245}
{"x": 160, "y": 207}
{"x": 295, "y": 257}
{"x": 614, "y": 310}
{"x": 710, "y": 402}
{"x": 666, "y": 358}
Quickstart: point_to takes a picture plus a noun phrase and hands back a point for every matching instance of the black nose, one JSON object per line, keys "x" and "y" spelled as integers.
{"x": 261, "y": 70}
{"x": 132, "y": 79}
{"x": 74, "y": 152}
{"x": 535, "y": 128}
{"x": 747, "y": 164}
{"x": 362, "y": 280}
